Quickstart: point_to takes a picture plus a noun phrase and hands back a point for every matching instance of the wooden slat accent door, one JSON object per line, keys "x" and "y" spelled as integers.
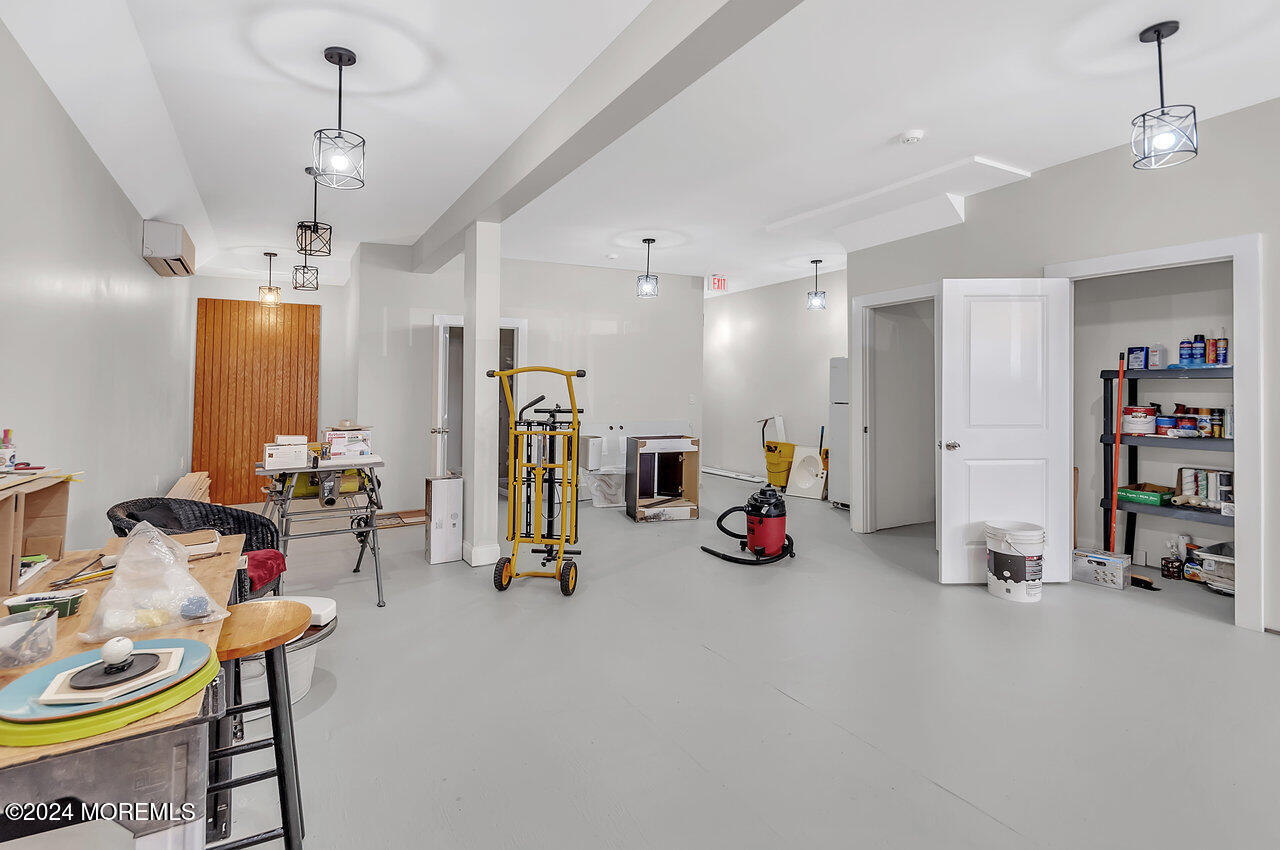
{"x": 257, "y": 375}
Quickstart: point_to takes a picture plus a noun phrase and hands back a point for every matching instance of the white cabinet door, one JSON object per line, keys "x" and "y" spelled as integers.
{"x": 1005, "y": 423}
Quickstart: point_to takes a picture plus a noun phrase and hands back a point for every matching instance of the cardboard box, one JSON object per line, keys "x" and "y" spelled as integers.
{"x": 353, "y": 443}
{"x": 278, "y": 456}
{"x": 590, "y": 452}
{"x": 1100, "y": 567}
{"x": 662, "y": 478}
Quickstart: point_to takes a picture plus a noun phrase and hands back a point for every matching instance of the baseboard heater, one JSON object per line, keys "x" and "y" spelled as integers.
{"x": 737, "y": 476}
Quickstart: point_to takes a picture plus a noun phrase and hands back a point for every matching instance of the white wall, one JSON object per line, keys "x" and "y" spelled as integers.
{"x": 1111, "y": 314}
{"x": 337, "y": 360}
{"x": 1099, "y": 206}
{"x": 94, "y": 344}
{"x": 395, "y": 353}
{"x": 902, "y": 430}
{"x": 764, "y": 353}
{"x": 643, "y": 357}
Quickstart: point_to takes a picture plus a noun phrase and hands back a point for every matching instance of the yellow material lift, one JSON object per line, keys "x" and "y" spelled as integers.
{"x": 542, "y": 484}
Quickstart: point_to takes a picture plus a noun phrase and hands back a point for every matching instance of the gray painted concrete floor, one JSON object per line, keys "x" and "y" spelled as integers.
{"x": 843, "y": 698}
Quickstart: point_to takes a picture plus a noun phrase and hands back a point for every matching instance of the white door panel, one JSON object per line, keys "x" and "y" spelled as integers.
{"x": 1005, "y": 421}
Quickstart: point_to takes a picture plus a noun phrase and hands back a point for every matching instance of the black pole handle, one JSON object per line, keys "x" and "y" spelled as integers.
{"x": 529, "y": 405}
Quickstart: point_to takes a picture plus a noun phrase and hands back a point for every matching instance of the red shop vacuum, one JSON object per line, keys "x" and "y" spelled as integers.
{"x": 766, "y": 538}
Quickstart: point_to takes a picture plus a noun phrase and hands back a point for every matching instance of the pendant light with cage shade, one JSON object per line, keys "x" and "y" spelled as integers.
{"x": 815, "y": 299}
{"x": 647, "y": 284}
{"x": 315, "y": 237}
{"x": 1165, "y": 136}
{"x": 270, "y": 295}
{"x": 338, "y": 154}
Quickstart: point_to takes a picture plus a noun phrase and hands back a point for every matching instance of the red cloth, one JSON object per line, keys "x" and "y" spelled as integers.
{"x": 264, "y": 565}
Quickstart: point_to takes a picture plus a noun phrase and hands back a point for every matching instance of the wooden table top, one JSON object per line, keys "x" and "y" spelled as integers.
{"x": 216, "y": 574}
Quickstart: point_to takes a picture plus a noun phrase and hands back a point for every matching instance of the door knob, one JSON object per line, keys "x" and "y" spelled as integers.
{"x": 952, "y": 445}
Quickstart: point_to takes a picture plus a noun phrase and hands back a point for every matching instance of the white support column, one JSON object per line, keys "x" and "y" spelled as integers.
{"x": 482, "y": 278}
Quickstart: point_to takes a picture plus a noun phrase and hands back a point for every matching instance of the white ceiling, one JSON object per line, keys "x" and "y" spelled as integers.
{"x": 784, "y": 152}
{"x": 807, "y": 115}
{"x": 439, "y": 90}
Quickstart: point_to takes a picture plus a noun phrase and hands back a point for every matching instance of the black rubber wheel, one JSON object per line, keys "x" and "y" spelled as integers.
{"x": 502, "y": 573}
{"x": 742, "y": 544}
{"x": 568, "y": 577}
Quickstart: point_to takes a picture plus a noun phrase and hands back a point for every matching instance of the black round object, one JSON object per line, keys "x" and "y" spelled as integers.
{"x": 340, "y": 56}
{"x": 766, "y": 504}
{"x": 97, "y": 676}
{"x": 1160, "y": 30}
{"x": 501, "y": 578}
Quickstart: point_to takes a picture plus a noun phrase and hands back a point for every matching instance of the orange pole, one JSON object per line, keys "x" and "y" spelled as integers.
{"x": 1115, "y": 462}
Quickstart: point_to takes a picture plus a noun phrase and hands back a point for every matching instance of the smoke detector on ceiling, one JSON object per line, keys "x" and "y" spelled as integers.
{"x": 911, "y": 137}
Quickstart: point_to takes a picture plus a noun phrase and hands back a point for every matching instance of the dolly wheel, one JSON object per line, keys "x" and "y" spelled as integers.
{"x": 502, "y": 573}
{"x": 568, "y": 577}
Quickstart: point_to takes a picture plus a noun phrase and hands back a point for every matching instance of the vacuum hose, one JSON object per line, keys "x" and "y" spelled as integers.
{"x": 788, "y": 548}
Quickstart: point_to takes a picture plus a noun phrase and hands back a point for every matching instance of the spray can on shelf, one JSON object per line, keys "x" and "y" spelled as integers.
{"x": 1197, "y": 350}
{"x": 1211, "y": 351}
{"x": 1184, "y": 352}
{"x": 1221, "y": 349}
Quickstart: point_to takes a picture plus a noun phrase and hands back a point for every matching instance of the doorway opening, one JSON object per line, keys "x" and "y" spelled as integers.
{"x": 446, "y": 449}
{"x": 900, "y": 430}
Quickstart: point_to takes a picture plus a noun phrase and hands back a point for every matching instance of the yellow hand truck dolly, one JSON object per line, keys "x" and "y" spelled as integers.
{"x": 542, "y": 492}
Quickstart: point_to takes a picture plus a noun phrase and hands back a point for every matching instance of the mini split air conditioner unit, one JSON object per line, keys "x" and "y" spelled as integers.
{"x": 168, "y": 249}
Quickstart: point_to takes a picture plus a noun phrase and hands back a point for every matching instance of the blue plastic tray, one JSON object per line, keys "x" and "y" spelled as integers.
{"x": 18, "y": 698}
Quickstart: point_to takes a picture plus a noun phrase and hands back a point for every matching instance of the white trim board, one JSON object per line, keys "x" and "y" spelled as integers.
{"x": 1253, "y": 587}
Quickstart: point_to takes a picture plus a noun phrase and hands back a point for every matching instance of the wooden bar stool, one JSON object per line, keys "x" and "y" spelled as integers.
{"x": 265, "y": 626}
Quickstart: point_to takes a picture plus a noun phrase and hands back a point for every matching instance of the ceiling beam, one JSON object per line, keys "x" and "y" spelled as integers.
{"x": 667, "y": 47}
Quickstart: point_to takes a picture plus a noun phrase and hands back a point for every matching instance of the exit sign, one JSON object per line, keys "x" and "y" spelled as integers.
{"x": 717, "y": 283}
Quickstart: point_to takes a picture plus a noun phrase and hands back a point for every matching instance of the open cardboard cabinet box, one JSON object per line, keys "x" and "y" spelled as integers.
{"x": 662, "y": 478}
{"x": 33, "y": 521}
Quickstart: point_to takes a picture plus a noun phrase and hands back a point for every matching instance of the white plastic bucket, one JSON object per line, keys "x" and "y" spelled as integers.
{"x": 1015, "y": 560}
{"x": 299, "y": 653}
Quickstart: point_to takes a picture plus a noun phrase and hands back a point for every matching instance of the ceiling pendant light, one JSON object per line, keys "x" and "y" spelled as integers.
{"x": 1165, "y": 136}
{"x": 647, "y": 284}
{"x": 817, "y": 298}
{"x": 306, "y": 278}
{"x": 338, "y": 155}
{"x": 315, "y": 238}
{"x": 269, "y": 295}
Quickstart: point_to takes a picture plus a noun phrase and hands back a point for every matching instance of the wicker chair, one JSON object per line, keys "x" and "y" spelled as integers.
{"x": 259, "y": 532}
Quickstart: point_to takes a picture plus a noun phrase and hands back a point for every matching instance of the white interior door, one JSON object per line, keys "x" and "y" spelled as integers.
{"x": 1005, "y": 423}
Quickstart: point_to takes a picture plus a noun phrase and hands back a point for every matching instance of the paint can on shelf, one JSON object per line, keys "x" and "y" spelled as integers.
{"x": 1015, "y": 560}
{"x": 1138, "y": 420}
{"x": 1165, "y": 424}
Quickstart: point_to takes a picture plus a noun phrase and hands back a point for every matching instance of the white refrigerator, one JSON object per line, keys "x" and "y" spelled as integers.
{"x": 839, "y": 435}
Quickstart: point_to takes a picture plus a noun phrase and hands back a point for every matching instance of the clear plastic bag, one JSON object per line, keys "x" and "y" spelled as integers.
{"x": 152, "y": 588}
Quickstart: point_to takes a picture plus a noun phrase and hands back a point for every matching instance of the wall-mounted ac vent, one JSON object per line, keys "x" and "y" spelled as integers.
{"x": 168, "y": 249}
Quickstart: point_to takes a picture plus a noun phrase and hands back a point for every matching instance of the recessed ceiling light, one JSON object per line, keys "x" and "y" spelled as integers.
{"x": 911, "y": 137}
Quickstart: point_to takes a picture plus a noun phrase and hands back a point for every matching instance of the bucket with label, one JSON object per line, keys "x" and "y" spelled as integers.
{"x": 1015, "y": 560}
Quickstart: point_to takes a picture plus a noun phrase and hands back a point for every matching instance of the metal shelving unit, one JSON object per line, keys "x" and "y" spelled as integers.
{"x": 1133, "y": 442}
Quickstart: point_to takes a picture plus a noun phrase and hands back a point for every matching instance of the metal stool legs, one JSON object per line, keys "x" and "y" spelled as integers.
{"x": 282, "y": 742}
{"x": 285, "y": 747}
